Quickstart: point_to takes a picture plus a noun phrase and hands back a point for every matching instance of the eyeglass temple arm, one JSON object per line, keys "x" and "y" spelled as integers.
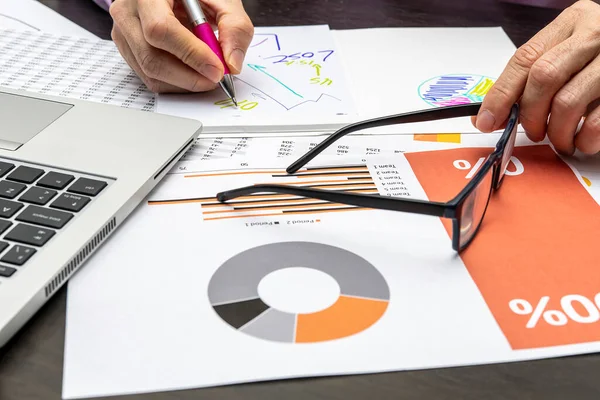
{"x": 355, "y": 199}
{"x": 410, "y": 117}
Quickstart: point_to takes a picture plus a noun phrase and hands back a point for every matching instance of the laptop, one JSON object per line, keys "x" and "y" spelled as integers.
{"x": 70, "y": 173}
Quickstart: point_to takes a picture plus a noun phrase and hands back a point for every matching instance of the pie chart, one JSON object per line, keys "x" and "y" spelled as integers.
{"x": 363, "y": 297}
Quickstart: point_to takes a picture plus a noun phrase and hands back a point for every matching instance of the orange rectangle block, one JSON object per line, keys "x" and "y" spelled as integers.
{"x": 438, "y": 137}
{"x": 536, "y": 258}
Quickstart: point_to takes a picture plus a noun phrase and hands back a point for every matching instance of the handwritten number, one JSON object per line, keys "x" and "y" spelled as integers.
{"x": 326, "y": 51}
{"x": 295, "y": 56}
{"x": 282, "y": 59}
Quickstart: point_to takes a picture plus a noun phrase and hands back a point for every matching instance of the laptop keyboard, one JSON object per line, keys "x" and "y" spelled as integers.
{"x": 35, "y": 204}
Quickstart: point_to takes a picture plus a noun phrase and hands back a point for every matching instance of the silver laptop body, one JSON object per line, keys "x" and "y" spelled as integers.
{"x": 70, "y": 173}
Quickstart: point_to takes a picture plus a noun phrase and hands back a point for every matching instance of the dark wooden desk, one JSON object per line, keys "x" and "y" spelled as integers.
{"x": 31, "y": 364}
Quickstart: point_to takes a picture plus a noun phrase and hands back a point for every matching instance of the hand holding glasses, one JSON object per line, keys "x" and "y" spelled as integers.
{"x": 466, "y": 209}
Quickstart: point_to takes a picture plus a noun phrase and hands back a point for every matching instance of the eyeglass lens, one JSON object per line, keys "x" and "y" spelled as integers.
{"x": 473, "y": 208}
{"x": 508, "y": 151}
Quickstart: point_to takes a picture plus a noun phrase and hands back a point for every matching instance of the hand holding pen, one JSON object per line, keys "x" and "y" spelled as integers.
{"x": 157, "y": 39}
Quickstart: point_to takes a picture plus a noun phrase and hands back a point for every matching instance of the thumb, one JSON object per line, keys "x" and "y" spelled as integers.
{"x": 235, "y": 30}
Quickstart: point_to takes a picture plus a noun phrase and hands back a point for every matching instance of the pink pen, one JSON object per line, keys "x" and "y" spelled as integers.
{"x": 204, "y": 32}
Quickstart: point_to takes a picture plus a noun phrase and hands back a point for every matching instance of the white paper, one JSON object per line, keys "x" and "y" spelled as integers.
{"x": 139, "y": 314}
{"x": 72, "y": 67}
{"x": 357, "y": 146}
{"x": 31, "y": 15}
{"x": 292, "y": 79}
{"x": 388, "y": 69}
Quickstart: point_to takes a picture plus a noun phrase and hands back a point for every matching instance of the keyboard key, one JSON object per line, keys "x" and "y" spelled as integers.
{"x": 4, "y": 225}
{"x": 29, "y": 234}
{"x": 18, "y": 255}
{"x": 89, "y": 187}
{"x": 6, "y": 272}
{"x": 55, "y": 180}
{"x": 44, "y": 216}
{"x": 10, "y": 190}
{"x": 5, "y": 167}
{"x": 9, "y": 208}
{"x": 37, "y": 195}
{"x": 3, "y": 246}
{"x": 25, "y": 174}
{"x": 70, "y": 202}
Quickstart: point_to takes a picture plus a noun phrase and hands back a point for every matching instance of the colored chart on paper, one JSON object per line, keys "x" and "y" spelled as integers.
{"x": 455, "y": 89}
{"x": 363, "y": 299}
{"x": 287, "y": 71}
{"x": 438, "y": 137}
{"x": 535, "y": 258}
{"x": 355, "y": 179}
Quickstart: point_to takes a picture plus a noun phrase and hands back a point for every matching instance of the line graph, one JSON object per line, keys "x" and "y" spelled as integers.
{"x": 263, "y": 69}
{"x": 290, "y": 74}
{"x": 318, "y": 99}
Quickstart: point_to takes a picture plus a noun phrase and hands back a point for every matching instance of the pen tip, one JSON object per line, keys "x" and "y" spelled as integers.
{"x": 235, "y": 101}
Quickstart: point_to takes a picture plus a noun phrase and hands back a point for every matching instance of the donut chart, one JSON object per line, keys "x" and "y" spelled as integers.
{"x": 233, "y": 293}
{"x": 455, "y": 89}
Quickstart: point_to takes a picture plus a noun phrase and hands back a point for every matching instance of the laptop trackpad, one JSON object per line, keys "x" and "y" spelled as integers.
{"x": 22, "y": 117}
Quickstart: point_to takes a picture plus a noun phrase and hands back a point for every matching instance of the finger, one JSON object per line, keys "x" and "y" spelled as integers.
{"x": 570, "y": 104}
{"x": 123, "y": 11}
{"x": 181, "y": 14}
{"x": 161, "y": 29}
{"x": 235, "y": 30}
{"x": 509, "y": 87}
{"x": 153, "y": 85}
{"x": 547, "y": 75}
{"x": 588, "y": 138}
{"x": 159, "y": 65}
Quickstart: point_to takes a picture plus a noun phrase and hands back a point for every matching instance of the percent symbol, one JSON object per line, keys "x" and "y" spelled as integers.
{"x": 558, "y": 317}
{"x": 466, "y": 165}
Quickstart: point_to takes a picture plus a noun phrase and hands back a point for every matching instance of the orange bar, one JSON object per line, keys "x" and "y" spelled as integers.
{"x": 275, "y": 172}
{"x": 350, "y": 187}
{"x": 334, "y": 175}
{"x": 438, "y": 137}
{"x": 426, "y": 137}
{"x": 346, "y": 317}
{"x": 539, "y": 238}
{"x": 156, "y": 203}
{"x": 238, "y": 202}
{"x": 284, "y": 207}
{"x": 340, "y": 169}
{"x": 271, "y": 203}
{"x": 234, "y": 173}
{"x": 303, "y": 183}
{"x": 294, "y": 212}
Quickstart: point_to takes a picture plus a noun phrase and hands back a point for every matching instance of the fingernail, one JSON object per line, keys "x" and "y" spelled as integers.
{"x": 485, "y": 121}
{"x": 236, "y": 59}
{"x": 211, "y": 72}
{"x": 533, "y": 138}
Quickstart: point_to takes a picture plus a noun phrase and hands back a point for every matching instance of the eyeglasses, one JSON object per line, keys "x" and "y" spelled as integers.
{"x": 466, "y": 210}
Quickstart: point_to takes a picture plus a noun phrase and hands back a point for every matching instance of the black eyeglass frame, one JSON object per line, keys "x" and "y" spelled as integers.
{"x": 451, "y": 209}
